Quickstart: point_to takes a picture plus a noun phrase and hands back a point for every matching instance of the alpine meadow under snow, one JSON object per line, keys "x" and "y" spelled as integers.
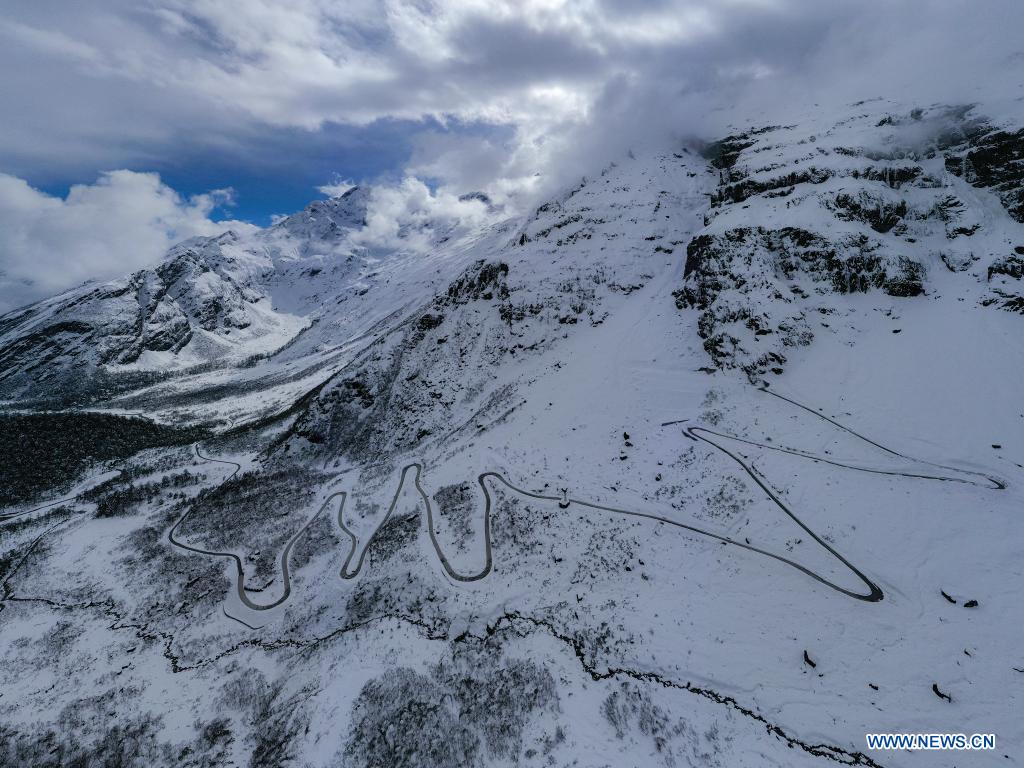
{"x": 713, "y": 458}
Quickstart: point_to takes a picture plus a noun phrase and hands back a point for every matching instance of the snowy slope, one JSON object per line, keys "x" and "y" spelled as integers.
{"x": 212, "y": 302}
{"x": 879, "y": 201}
{"x": 700, "y": 463}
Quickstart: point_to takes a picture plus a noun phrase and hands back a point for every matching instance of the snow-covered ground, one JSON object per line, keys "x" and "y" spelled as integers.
{"x": 813, "y": 375}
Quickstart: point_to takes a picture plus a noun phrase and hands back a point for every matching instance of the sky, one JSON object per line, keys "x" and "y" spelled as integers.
{"x": 131, "y": 124}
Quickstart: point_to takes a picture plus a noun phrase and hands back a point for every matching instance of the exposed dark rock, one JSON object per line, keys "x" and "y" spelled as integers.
{"x": 940, "y": 694}
{"x": 747, "y": 188}
{"x": 727, "y": 276}
{"x": 906, "y": 279}
{"x": 872, "y": 211}
{"x": 993, "y": 159}
{"x": 1011, "y": 266}
{"x": 483, "y": 277}
{"x": 724, "y": 153}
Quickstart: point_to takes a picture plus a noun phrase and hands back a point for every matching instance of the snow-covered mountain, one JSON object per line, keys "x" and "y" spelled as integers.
{"x": 711, "y": 460}
{"x": 212, "y": 300}
{"x": 804, "y": 213}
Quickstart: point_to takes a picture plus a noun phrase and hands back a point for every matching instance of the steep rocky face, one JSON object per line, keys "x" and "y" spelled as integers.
{"x": 201, "y": 303}
{"x": 454, "y": 366}
{"x": 993, "y": 159}
{"x": 796, "y": 217}
{"x": 194, "y": 290}
{"x": 209, "y": 300}
{"x": 219, "y": 302}
{"x": 424, "y": 379}
{"x": 571, "y": 351}
{"x": 874, "y": 202}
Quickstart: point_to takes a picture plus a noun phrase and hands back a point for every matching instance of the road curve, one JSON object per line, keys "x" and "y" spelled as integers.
{"x": 991, "y": 483}
{"x": 874, "y": 591}
{"x": 872, "y": 594}
{"x": 996, "y": 483}
{"x": 700, "y": 434}
{"x": 347, "y": 573}
{"x": 5, "y": 516}
{"x": 239, "y": 569}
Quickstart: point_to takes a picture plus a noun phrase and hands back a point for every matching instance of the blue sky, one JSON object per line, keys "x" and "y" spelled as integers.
{"x": 279, "y": 171}
{"x": 124, "y": 118}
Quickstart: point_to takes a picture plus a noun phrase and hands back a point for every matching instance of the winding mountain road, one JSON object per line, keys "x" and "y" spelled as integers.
{"x": 4, "y": 517}
{"x": 873, "y": 592}
{"x": 701, "y": 434}
{"x": 239, "y": 569}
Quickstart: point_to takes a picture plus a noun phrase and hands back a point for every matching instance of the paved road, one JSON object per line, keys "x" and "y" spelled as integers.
{"x": 873, "y": 592}
{"x": 239, "y": 569}
{"x": 4, "y": 517}
{"x": 347, "y": 573}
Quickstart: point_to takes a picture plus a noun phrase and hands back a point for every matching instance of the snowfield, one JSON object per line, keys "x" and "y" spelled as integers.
{"x": 714, "y": 460}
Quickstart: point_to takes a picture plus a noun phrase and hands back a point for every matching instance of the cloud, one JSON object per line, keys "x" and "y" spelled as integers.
{"x": 122, "y": 222}
{"x": 529, "y": 63}
{"x": 408, "y": 215}
{"x": 745, "y": 64}
{"x": 514, "y": 98}
{"x": 336, "y": 188}
{"x": 142, "y": 80}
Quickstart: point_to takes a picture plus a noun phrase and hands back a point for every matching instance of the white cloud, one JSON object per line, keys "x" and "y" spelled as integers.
{"x": 564, "y": 85}
{"x": 50, "y": 42}
{"x": 409, "y": 214}
{"x": 307, "y": 62}
{"x": 336, "y": 188}
{"x": 156, "y": 75}
{"x": 124, "y": 221}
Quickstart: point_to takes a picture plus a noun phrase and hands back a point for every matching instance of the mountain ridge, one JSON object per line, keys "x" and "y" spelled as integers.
{"x": 719, "y": 439}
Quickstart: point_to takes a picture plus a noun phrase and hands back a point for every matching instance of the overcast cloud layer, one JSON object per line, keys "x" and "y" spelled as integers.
{"x": 514, "y": 98}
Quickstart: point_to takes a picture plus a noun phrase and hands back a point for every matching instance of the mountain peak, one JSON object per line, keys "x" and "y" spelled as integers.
{"x": 323, "y": 219}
